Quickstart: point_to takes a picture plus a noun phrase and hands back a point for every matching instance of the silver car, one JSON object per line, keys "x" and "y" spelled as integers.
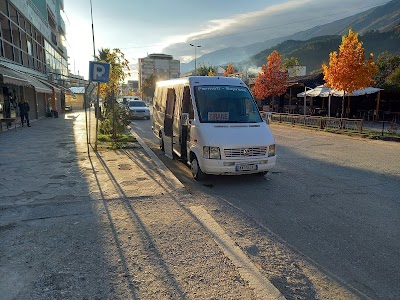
{"x": 139, "y": 110}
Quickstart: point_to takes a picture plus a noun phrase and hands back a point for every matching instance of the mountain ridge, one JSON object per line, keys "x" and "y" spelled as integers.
{"x": 381, "y": 18}
{"x": 313, "y": 52}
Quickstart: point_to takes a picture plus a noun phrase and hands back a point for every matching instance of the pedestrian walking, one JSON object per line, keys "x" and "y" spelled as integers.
{"x": 24, "y": 111}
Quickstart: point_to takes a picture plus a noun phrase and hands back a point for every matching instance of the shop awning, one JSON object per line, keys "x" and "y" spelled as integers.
{"x": 56, "y": 88}
{"x": 9, "y": 76}
{"x": 39, "y": 86}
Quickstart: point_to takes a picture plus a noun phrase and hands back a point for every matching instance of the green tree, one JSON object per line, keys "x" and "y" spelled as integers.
{"x": 392, "y": 82}
{"x": 387, "y": 63}
{"x": 118, "y": 67}
{"x": 149, "y": 85}
{"x": 203, "y": 70}
{"x": 290, "y": 62}
{"x": 292, "y": 65}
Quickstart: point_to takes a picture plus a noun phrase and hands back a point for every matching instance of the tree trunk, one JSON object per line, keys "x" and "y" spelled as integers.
{"x": 342, "y": 112}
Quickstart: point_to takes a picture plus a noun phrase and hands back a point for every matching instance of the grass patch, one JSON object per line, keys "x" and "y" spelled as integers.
{"x": 122, "y": 141}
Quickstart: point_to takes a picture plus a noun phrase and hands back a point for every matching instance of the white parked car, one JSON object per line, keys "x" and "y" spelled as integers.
{"x": 125, "y": 100}
{"x": 139, "y": 109}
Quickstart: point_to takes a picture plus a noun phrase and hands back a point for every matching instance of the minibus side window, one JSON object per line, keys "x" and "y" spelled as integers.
{"x": 186, "y": 100}
{"x": 187, "y": 106}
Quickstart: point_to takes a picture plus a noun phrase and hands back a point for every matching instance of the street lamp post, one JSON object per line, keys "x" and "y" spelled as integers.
{"x": 195, "y": 66}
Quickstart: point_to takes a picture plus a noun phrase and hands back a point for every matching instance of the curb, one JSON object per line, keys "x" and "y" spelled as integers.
{"x": 263, "y": 288}
{"x": 179, "y": 187}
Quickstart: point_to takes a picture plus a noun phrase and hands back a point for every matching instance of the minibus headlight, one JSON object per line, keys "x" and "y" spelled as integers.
{"x": 211, "y": 152}
{"x": 271, "y": 150}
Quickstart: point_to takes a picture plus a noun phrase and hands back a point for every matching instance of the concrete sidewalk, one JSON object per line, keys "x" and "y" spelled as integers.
{"x": 109, "y": 225}
{"x": 378, "y": 126}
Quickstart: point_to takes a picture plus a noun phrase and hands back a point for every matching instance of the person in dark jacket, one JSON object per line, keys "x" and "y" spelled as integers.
{"x": 24, "y": 112}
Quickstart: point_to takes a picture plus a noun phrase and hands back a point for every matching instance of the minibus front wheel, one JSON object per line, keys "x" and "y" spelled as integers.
{"x": 197, "y": 173}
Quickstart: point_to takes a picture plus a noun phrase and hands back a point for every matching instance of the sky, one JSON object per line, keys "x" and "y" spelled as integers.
{"x": 140, "y": 27}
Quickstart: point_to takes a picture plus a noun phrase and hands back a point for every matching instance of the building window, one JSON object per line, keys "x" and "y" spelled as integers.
{"x": 34, "y": 47}
{"x": 8, "y": 51}
{"x": 17, "y": 55}
{"x": 28, "y": 27}
{"x": 22, "y": 22}
{"x": 13, "y": 14}
{"x": 23, "y": 41}
{"x": 3, "y": 7}
{"x": 25, "y": 59}
{"x": 15, "y": 35}
{"x": 5, "y": 28}
{"x": 29, "y": 46}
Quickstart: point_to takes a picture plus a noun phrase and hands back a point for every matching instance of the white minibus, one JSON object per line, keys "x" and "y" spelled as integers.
{"x": 213, "y": 124}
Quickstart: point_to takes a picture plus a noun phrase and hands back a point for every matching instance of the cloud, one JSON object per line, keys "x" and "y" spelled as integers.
{"x": 270, "y": 22}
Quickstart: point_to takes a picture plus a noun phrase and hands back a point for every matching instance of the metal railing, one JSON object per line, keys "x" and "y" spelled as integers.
{"x": 323, "y": 123}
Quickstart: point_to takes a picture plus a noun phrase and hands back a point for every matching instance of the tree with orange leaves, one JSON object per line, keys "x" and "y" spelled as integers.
{"x": 229, "y": 70}
{"x": 347, "y": 70}
{"x": 273, "y": 79}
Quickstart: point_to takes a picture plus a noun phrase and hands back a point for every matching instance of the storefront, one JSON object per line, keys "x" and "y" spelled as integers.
{"x": 11, "y": 90}
{"x": 15, "y": 86}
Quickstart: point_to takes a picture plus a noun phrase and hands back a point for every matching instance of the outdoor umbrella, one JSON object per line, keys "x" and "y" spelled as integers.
{"x": 364, "y": 91}
{"x": 360, "y": 92}
{"x": 319, "y": 91}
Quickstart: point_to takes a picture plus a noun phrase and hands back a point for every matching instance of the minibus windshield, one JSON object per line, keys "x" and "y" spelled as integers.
{"x": 226, "y": 104}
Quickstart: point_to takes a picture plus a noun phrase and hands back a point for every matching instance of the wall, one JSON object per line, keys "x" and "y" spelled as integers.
{"x": 76, "y": 103}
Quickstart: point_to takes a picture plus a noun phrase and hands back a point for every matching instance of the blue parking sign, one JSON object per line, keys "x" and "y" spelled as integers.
{"x": 99, "y": 72}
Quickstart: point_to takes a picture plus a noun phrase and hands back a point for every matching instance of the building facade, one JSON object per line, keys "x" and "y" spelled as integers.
{"x": 33, "y": 59}
{"x": 162, "y": 66}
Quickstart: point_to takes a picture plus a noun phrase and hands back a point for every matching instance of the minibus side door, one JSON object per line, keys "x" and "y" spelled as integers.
{"x": 168, "y": 122}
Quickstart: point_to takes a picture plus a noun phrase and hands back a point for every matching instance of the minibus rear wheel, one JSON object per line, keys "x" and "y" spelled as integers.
{"x": 197, "y": 173}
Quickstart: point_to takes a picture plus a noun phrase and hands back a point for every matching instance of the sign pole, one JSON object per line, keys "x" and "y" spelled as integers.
{"x": 97, "y": 114}
{"x": 98, "y": 72}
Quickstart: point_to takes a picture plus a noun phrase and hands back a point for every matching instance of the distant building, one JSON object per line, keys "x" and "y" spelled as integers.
{"x": 76, "y": 98}
{"x": 220, "y": 71}
{"x": 77, "y": 80}
{"x": 162, "y": 66}
{"x": 133, "y": 84}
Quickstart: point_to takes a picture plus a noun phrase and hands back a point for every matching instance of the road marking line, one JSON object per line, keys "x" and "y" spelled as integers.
{"x": 263, "y": 288}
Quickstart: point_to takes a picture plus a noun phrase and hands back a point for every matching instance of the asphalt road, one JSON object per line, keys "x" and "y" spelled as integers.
{"x": 335, "y": 199}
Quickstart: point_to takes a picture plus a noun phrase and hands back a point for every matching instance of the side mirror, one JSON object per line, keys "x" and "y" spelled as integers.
{"x": 185, "y": 119}
{"x": 266, "y": 116}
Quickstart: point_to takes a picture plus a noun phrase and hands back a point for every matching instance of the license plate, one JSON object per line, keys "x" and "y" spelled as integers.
{"x": 246, "y": 167}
